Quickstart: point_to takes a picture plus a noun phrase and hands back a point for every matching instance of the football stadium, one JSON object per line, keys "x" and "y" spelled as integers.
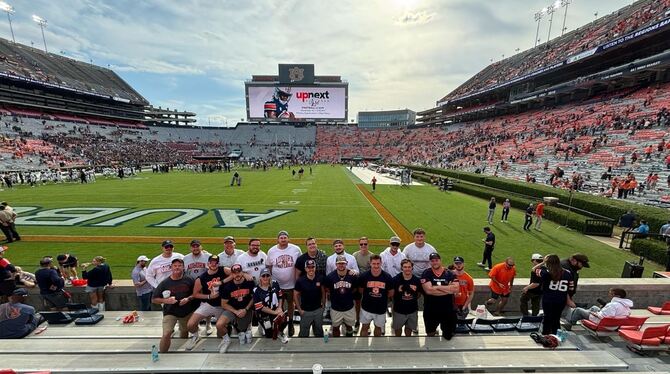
{"x": 522, "y": 210}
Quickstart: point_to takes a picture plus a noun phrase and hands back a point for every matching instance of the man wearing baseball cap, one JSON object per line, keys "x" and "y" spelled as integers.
{"x": 160, "y": 266}
{"x": 340, "y": 285}
{"x": 206, "y": 290}
{"x": 281, "y": 262}
{"x": 440, "y": 285}
{"x": 463, "y": 300}
{"x": 309, "y": 299}
{"x": 195, "y": 263}
{"x": 229, "y": 254}
{"x": 51, "y": 284}
{"x": 532, "y": 292}
{"x": 142, "y": 288}
{"x": 237, "y": 302}
{"x": 16, "y": 318}
{"x": 392, "y": 257}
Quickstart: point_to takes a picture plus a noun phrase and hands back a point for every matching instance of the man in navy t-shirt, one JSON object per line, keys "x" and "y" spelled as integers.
{"x": 376, "y": 286}
{"x": 406, "y": 291}
{"x": 341, "y": 284}
{"x": 439, "y": 285}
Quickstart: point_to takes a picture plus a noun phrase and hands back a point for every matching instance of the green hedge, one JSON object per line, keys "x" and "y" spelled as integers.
{"x": 611, "y": 208}
{"x": 654, "y": 250}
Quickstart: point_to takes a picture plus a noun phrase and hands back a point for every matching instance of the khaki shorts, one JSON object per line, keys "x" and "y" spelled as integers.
{"x": 347, "y": 317}
{"x": 170, "y": 321}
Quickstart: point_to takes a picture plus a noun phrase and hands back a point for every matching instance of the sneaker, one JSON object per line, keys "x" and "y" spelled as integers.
{"x": 208, "y": 329}
{"x": 487, "y": 268}
{"x": 481, "y": 265}
{"x": 223, "y": 346}
{"x": 357, "y": 327}
{"x": 291, "y": 328}
{"x": 283, "y": 338}
{"x": 248, "y": 336}
{"x": 190, "y": 344}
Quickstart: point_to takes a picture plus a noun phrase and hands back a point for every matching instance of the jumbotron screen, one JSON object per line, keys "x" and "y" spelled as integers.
{"x": 284, "y": 102}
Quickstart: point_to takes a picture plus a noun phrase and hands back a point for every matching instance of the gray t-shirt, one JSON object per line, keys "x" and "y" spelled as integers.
{"x": 139, "y": 275}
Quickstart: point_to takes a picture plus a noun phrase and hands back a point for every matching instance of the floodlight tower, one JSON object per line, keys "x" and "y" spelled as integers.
{"x": 551, "y": 9}
{"x": 538, "y": 18}
{"x": 565, "y": 3}
{"x": 9, "y": 10}
{"x": 43, "y": 23}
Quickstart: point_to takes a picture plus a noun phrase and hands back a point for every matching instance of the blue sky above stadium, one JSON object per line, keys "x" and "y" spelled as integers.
{"x": 195, "y": 55}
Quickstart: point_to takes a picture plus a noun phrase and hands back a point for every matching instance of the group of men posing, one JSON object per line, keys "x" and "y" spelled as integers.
{"x": 236, "y": 288}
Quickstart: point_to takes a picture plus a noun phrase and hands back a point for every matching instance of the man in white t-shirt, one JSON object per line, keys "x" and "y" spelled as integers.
{"x": 195, "y": 263}
{"x": 392, "y": 257}
{"x": 281, "y": 262}
{"x": 254, "y": 260}
{"x": 338, "y": 247}
{"x": 419, "y": 252}
{"x": 230, "y": 254}
{"x": 160, "y": 266}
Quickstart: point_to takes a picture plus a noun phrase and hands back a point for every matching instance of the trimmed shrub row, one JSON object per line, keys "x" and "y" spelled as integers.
{"x": 611, "y": 208}
{"x": 654, "y": 250}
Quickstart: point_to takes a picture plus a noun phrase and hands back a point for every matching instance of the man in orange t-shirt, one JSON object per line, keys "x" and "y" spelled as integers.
{"x": 466, "y": 293}
{"x": 539, "y": 213}
{"x": 502, "y": 279}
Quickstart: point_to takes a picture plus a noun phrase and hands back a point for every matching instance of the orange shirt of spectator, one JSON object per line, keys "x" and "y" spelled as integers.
{"x": 539, "y": 210}
{"x": 633, "y": 184}
{"x": 467, "y": 286}
{"x": 500, "y": 273}
{"x": 648, "y": 149}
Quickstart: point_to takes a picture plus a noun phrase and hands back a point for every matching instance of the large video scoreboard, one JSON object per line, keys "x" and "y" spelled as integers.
{"x": 296, "y": 94}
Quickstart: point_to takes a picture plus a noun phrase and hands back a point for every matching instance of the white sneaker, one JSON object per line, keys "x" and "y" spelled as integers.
{"x": 283, "y": 338}
{"x": 223, "y": 346}
{"x": 480, "y": 264}
{"x": 190, "y": 344}
{"x": 248, "y": 336}
{"x": 487, "y": 268}
{"x": 208, "y": 328}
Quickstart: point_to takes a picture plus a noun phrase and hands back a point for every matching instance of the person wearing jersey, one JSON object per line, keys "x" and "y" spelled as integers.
{"x": 502, "y": 279}
{"x": 206, "y": 290}
{"x": 557, "y": 283}
{"x": 195, "y": 263}
{"x": 268, "y": 306}
{"x": 254, "y": 260}
{"x": 229, "y": 256}
{"x": 281, "y": 262}
{"x": 406, "y": 292}
{"x": 419, "y": 252}
{"x": 160, "y": 266}
{"x": 440, "y": 285}
{"x": 340, "y": 285}
{"x": 463, "y": 300}
{"x": 376, "y": 287}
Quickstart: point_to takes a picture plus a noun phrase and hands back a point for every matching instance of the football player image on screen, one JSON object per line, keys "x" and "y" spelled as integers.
{"x": 278, "y": 106}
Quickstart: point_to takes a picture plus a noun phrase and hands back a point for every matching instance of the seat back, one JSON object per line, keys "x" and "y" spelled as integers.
{"x": 56, "y": 318}
{"x": 633, "y": 322}
{"x": 529, "y": 323}
{"x": 506, "y": 324}
{"x": 655, "y": 332}
{"x": 607, "y": 323}
{"x": 666, "y": 306}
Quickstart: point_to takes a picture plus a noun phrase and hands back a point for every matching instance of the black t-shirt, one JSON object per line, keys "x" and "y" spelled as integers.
{"x": 438, "y": 303}
{"x": 529, "y": 211}
{"x": 180, "y": 288}
{"x": 534, "y": 278}
{"x": 490, "y": 237}
{"x": 555, "y": 291}
{"x": 206, "y": 278}
{"x": 238, "y": 295}
{"x": 70, "y": 261}
{"x": 406, "y": 294}
{"x": 492, "y": 205}
{"x": 375, "y": 291}
{"x": 341, "y": 290}
{"x": 310, "y": 292}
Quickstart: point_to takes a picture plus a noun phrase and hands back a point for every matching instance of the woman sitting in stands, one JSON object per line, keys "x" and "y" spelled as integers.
{"x": 99, "y": 278}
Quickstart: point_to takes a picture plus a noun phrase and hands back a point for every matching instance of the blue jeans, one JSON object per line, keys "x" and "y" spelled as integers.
{"x": 145, "y": 301}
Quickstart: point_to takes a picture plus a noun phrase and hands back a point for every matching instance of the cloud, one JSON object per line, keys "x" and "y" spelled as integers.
{"x": 415, "y": 18}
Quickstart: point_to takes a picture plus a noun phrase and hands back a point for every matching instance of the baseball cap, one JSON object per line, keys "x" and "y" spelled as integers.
{"x": 229, "y": 239}
{"x": 582, "y": 258}
{"x": 394, "y": 239}
{"x": 434, "y": 255}
{"x": 20, "y": 292}
{"x": 340, "y": 259}
{"x": 236, "y": 268}
{"x": 310, "y": 263}
{"x": 177, "y": 260}
{"x": 142, "y": 258}
{"x": 195, "y": 242}
{"x": 458, "y": 259}
{"x": 46, "y": 261}
{"x": 282, "y": 232}
{"x": 265, "y": 271}
{"x": 213, "y": 257}
{"x": 336, "y": 241}
{"x": 536, "y": 256}
{"x": 167, "y": 243}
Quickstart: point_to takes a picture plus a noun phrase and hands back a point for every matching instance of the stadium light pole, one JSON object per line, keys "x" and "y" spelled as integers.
{"x": 538, "y": 18}
{"x": 565, "y": 4}
{"x": 551, "y": 9}
{"x": 9, "y": 10}
{"x": 43, "y": 23}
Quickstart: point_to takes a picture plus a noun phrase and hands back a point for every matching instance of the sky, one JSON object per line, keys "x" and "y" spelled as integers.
{"x": 196, "y": 55}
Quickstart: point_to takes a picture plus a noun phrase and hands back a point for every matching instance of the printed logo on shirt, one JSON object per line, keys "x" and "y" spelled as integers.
{"x": 284, "y": 261}
{"x": 342, "y": 286}
{"x": 239, "y": 294}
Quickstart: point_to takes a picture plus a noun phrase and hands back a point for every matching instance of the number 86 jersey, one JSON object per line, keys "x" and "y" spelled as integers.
{"x": 555, "y": 291}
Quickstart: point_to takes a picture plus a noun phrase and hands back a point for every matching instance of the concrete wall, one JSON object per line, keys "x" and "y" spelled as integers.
{"x": 643, "y": 292}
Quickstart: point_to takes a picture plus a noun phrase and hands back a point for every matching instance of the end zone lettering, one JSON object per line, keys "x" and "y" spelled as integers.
{"x": 181, "y": 217}
{"x": 303, "y": 96}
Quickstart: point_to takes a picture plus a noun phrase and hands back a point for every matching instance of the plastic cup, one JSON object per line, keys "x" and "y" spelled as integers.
{"x": 166, "y": 294}
{"x": 317, "y": 369}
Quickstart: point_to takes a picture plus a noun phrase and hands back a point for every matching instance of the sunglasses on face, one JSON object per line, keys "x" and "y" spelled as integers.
{"x": 363, "y": 244}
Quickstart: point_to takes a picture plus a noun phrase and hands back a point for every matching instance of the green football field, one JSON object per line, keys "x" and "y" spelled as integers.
{"x": 121, "y": 219}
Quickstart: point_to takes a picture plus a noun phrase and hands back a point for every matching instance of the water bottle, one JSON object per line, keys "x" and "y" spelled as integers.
{"x": 154, "y": 353}
{"x": 326, "y": 336}
{"x": 562, "y": 335}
